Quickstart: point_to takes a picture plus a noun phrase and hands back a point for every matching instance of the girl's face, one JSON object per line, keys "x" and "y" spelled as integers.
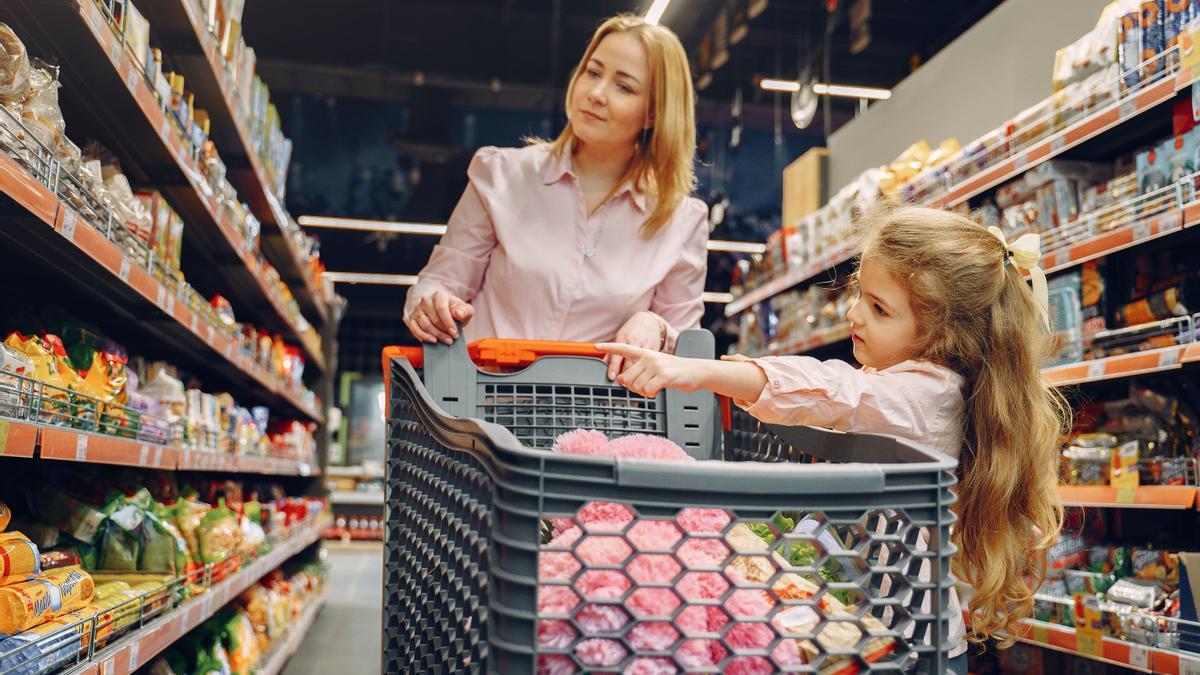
{"x": 882, "y": 324}
{"x": 611, "y": 100}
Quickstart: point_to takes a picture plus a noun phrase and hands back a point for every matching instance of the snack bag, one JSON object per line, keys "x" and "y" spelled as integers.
{"x": 121, "y": 546}
{"x": 219, "y": 534}
{"x": 241, "y": 643}
{"x": 188, "y": 515}
{"x": 69, "y": 515}
{"x": 19, "y": 559}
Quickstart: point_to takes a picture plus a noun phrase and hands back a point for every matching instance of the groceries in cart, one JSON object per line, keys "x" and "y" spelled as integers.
{"x": 581, "y": 566}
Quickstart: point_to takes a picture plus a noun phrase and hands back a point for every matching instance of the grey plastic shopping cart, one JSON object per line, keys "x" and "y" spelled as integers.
{"x": 782, "y": 550}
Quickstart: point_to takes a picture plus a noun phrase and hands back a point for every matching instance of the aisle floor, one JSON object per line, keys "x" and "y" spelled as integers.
{"x": 346, "y": 636}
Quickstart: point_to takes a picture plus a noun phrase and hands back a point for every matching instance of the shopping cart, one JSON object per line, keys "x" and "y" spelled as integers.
{"x": 803, "y": 551}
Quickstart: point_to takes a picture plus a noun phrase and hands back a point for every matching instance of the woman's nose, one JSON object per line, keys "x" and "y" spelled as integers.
{"x": 596, "y": 93}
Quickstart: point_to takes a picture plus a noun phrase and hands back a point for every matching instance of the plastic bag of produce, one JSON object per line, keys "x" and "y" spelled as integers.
{"x": 121, "y": 546}
{"x": 240, "y": 642}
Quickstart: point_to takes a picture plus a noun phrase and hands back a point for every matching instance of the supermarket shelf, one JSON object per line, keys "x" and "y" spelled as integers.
{"x": 106, "y": 79}
{"x": 356, "y": 498}
{"x": 1093, "y": 125}
{"x": 1116, "y": 652}
{"x": 128, "y": 654}
{"x": 1167, "y": 497}
{"x": 141, "y": 296}
{"x": 1114, "y": 367}
{"x": 17, "y": 439}
{"x": 1120, "y": 239}
{"x": 789, "y": 279}
{"x": 283, "y": 651}
{"x": 824, "y": 338}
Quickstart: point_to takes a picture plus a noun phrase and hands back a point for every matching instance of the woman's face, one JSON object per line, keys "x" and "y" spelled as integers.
{"x": 611, "y": 100}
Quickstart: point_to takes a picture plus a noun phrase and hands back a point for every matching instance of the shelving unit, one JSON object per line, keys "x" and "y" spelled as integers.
{"x": 116, "y": 281}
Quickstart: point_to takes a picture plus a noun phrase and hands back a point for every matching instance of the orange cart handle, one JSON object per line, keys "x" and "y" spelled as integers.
{"x": 490, "y": 352}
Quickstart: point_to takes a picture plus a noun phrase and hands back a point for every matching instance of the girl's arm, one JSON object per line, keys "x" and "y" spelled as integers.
{"x": 652, "y": 371}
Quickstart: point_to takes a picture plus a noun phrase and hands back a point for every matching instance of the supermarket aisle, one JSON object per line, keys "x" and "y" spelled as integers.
{"x": 346, "y": 635}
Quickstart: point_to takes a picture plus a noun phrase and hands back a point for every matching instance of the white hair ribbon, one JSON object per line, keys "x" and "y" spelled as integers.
{"x": 1025, "y": 253}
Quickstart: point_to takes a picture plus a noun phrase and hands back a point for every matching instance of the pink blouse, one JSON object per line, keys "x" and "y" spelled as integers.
{"x": 915, "y": 400}
{"x": 518, "y": 243}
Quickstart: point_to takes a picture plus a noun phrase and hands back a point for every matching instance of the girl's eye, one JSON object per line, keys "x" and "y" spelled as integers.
{"x": 879, "y": 310}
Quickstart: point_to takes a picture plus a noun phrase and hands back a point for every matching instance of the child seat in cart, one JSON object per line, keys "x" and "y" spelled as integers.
{"x": 772, "y": 549}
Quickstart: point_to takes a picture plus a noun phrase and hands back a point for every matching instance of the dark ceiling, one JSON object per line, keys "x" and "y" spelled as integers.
{"x": 431, "y": 55}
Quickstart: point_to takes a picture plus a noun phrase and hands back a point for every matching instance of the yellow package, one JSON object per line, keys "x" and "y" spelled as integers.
{"x": 19, "y": 558}
{"x": 108, "y": 589}
{"x": 5, "y": 516}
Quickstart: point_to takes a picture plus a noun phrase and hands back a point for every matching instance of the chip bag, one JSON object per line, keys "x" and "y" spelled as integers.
{"x": 219, "y": 534}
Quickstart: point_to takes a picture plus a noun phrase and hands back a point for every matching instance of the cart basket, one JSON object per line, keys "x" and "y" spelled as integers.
{"x": 798, "y": 550}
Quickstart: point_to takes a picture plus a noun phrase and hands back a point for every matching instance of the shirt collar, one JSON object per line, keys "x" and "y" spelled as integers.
{"x": 555, "y": 168}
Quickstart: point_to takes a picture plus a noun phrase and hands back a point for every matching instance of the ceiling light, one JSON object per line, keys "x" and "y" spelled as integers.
{"x": 654, "y": 14}
{"x": 718, "y": 298}
{"x": 769, "y": 84}
{"x": 365, "y": 278}
{"x": 736, "y": 246}
{"x": 852, "y": 92}
{"x": 371, "y": 225}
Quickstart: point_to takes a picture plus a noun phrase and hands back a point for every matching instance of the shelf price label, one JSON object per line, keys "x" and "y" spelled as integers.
{"x": 132, "y": 80}
{"x": 1139, "y": 656}
{"x": 160, "y": 296}
{"x": 171, "y": 304}
{"x": 1088, "y": 622}
{"x": 164, "y": 129}
{"x": 1141, "y": 230}
{"x": 1095, "y": 369}
{"x": 1058, "y": 143}
{"x": 1021, "y": 161}
{"x": 81, "y": 447}
{"x": 114, "y": 52}
{"x": 3, "y": 436}
{"x": 1169, "y": 358}
{"x": 68, "y": 225}
{"x": 123, "y": 271}
{"x": 143, "y": 455}
{"x": 133, "y": 655}
{"x": 158, "y": 453}
{"x": 1188, "y": 665}
{"x": 109, "y": 666}
{"x": 1129, "y": 108}
{"x": 1040, "y": 634}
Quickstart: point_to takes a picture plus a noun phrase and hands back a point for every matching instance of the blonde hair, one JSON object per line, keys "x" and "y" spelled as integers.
{"x": 977, "y": 316}
{"x": 662, "y": 162}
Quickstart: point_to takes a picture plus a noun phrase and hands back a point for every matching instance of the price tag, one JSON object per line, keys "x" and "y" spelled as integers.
{"x": 1126, "y": 494}
{"x": 115, "y": 52}
{"x": 81, "y": 445}
{"x": 195, "y": 325}
{"x": 1089, "y": 644}
{"x": 3, "y": 436}
{"x": 144, "y": 455}
{"x": 1188, "y": 665}
{"x": 164, "y": 128}
{"x": 1021, "y": 161}
{"x": 123, "y": 272}
{"x": 1139, "y": 656}
{"x": 1129, "y": 108}
{"x": 109, "y": 667}
{"x": 229, "y": 351}
{"x": 133, "y": 79}
{"x": 158, "y": 453}
{"x": 160, "y": 296}
{"x": 1141, "y": 230}
{"x": 1168, "y": 358}
{"x": 1095, "y": 369}
{"x": 171, "y": 304}
{"x": 1039, "y": 633}
{"x": 133, "y": 656}
{"x": 1058, "y": 143}
{"x": 68, "y": 225}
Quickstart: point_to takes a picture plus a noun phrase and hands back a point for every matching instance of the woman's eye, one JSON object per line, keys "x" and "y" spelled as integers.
{"x": 626, "y": 88}
{"x": 593, "y": 73}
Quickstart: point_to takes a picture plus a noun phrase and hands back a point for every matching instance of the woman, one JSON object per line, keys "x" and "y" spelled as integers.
{"x": 590, "y": 237}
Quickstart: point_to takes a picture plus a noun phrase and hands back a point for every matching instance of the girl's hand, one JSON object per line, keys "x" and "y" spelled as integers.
{"x": 648, "y": 372}
{"x": 434, "y": 317}
{"x": 643, "y": 329}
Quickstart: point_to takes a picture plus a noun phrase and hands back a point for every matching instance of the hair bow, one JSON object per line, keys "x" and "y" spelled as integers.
{"x": 1025, "y": 253}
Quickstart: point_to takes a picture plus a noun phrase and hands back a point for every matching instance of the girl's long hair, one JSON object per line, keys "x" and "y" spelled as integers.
{"x": 662, "y": 164}
{"x": 978, "y": 317}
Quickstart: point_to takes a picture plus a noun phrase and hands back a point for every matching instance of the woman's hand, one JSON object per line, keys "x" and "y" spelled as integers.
{"x": 649, "y": 371}
{"x": 435, "y": 316}
{"x": 643, "y": 329}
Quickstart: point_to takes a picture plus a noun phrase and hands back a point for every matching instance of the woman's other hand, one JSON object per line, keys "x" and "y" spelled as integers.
{"x": 436, "y": 317}
{"x": 643, "y": 329}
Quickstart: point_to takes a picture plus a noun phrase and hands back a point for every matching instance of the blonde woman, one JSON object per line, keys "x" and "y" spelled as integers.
{"x": 592, "y": 236}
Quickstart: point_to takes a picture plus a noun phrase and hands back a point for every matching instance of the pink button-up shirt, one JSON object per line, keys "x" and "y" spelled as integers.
{"x": 914, "y": 400}
{"x": 516, "y": 249}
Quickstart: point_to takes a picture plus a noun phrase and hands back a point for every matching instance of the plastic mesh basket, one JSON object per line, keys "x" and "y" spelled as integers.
{"x": 803, "y": 551}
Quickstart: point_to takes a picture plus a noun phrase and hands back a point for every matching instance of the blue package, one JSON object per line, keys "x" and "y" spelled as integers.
{"x": 1179, "y": 13}
{"x": 1129, "y": 48}
{"x": 42, "y": 649}
{"x": 1066, "y": 318}
{"x": 1153, "y": 41}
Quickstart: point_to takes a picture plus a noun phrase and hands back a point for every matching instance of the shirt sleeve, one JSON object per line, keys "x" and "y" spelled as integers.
{"x": 460, "y": 259}
{"x": 679, "y": 297}
{"x": 836, "y": 395}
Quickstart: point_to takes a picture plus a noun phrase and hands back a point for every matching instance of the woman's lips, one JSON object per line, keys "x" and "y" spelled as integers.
{"x": 592, "y": 116}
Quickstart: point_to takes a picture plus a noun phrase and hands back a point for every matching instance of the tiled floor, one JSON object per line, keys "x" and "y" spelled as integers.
{"x": 345, "y": 638}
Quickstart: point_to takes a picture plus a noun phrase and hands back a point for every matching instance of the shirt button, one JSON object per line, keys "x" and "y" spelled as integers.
{"x": 776, "y": 383}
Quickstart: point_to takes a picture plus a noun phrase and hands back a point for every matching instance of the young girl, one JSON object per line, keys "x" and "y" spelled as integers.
{"x": 951, "y": 340}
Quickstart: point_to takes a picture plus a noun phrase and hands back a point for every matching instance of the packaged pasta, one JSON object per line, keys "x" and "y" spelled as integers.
{"x": 19, "y": 559}
{"x": 25, "y": 605}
